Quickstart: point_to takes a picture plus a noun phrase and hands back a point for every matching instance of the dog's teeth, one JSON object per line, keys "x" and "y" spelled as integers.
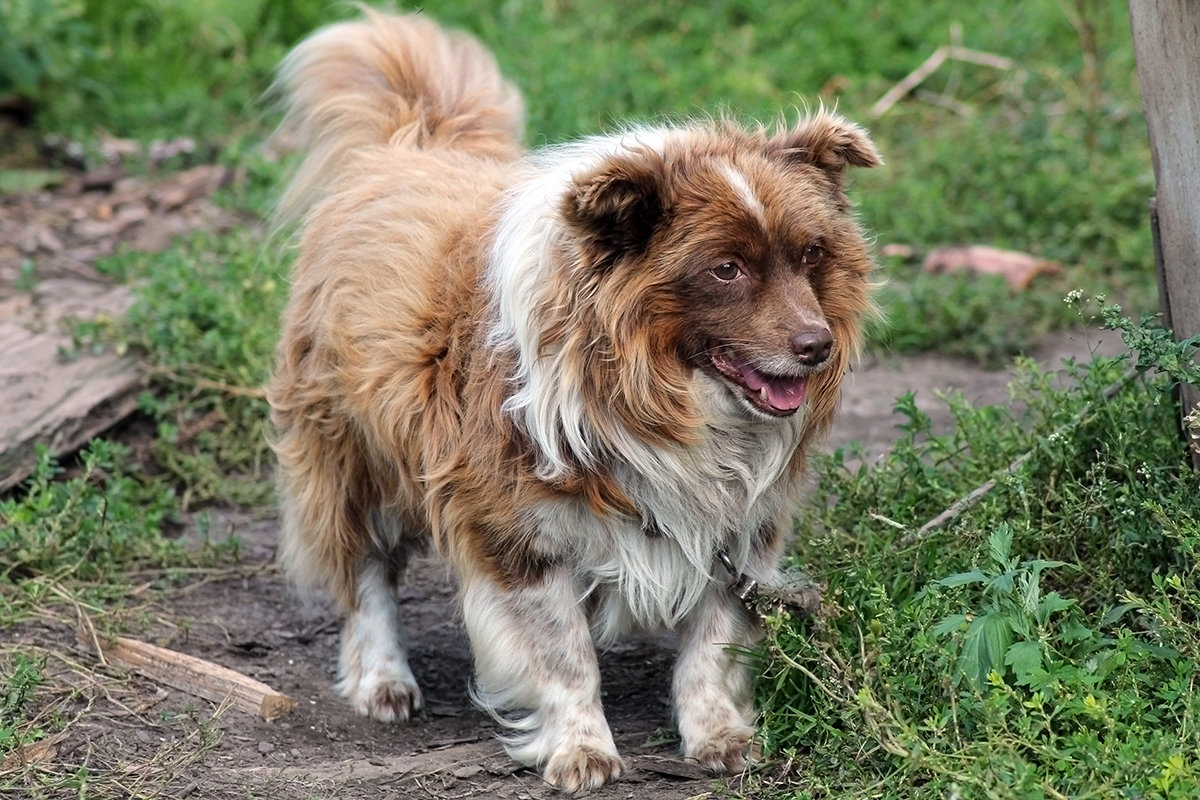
{"x": 762, "y": 394}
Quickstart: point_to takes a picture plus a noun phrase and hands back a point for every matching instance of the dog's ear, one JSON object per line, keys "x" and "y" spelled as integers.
{"x": 826, "y": 141}
{"x": 617, "y": 207}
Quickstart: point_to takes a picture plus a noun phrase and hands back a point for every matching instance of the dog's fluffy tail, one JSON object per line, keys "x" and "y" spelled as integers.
{"x": 388, "y": 79}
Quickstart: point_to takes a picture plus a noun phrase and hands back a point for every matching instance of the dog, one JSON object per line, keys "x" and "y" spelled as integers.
{"x": 588, "y": 375}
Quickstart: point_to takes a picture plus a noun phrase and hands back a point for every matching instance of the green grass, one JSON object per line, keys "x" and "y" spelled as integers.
{"x": 1041, "y": 644}
{"x": 204, "y": 319}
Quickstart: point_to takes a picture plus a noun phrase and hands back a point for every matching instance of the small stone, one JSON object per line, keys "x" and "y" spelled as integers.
{"x": 266, "y": 747}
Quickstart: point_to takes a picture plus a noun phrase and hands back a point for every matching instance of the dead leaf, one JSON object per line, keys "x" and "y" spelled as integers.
{"x": 48, "y": 241}
{"x": 118, "y": 149}
{"x": 189, "y": 185}
{"x": 1018, "y": 269}
{"x": 898, "y": 251}
{"x": 161, "y": 151}
{"x": 33, "y": 753}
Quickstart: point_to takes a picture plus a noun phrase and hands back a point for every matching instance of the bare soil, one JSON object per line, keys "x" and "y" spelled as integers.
{"x": 142, "y": 739}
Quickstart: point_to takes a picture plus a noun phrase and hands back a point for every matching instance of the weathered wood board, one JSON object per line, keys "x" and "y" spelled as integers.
{"x": 1166, "y": 39}
{"x": 45, "y": 398}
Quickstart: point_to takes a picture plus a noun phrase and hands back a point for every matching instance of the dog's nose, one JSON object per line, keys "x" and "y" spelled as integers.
{"x": 812, "y": 345}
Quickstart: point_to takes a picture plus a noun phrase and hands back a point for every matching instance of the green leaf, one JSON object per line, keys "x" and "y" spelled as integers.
{"x": 949, "y": 624}
{"x": 987, "y": 640}
{"x": 1001, "y": 584}
{"x": 1051, "y": 604}
{"x": 17, "y": 181}
{"x": 1038, "y": 565}
{"x": 1030, "y": 592}
{"x": 1076, "y": 632}
{"x": 1000, "y": 545}
{"x": 1038, "y": 679}
{"x": 1114, "y": 614}
{"x": 963, "y": 578}
{"x": 1024, "y": 658}
{"x": 1156, "y": 650}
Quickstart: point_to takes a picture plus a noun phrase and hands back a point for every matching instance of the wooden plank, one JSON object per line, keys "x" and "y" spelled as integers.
{"x": 49, "y": 399}
{"x": 198, "y": 677}
{"x": 1166, "y": 40}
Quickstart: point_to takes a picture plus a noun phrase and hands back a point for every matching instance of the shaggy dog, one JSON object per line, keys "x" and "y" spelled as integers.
{"x": 589, "y": 375}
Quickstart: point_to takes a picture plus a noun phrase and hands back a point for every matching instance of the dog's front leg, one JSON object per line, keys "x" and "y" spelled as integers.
{"x": 534, "y": 656}
{"x": 712, "y": 683}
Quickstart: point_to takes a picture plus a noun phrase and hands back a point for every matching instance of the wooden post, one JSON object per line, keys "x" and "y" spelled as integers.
{"x": 1166, "y": 41}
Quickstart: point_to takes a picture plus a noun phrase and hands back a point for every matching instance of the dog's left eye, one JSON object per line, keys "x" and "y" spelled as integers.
{"x": 727, "y": 271}
{"x": 813, "y": 255}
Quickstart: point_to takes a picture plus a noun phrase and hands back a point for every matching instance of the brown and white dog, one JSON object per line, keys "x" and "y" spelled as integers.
{"x": 582, "y": 373}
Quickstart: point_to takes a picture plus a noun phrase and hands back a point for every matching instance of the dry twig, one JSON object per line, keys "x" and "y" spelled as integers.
{"x": 948, "y": 52}
{"x": 978, "y": 493}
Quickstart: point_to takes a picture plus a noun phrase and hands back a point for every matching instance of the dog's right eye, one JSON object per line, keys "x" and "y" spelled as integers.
{"x": 727, "y": 271}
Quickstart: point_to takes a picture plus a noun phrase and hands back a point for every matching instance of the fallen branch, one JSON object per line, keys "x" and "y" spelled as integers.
{"x": 960, "y": 505}
{"x": 198, "y": 677}
{"x": 978, "y": 493}
{"x": 947, "y": 52}
{"x": 672, "y": 767}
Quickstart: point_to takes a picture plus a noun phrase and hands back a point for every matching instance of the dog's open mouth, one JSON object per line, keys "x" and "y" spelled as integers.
{"x": 777, "y": 395}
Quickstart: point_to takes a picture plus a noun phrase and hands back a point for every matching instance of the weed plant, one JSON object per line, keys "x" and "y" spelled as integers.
{"x": 1042, "y": 643}
{"x": 88, "y": 530}
{"x": 204, "y": 321}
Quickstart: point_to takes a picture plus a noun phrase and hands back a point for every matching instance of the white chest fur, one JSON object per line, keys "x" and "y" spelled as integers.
{"x": 649, "y": 573}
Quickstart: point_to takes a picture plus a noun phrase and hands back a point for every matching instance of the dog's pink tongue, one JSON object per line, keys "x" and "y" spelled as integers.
{"x": 784, "y": 394}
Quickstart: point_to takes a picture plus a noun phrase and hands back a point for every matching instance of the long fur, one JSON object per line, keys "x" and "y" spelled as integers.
{"x": 541, "y": 364}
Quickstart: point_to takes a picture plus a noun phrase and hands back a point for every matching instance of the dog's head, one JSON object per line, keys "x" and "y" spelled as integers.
{"x": 733, "y": 253}
{"x": 705, "y": 257}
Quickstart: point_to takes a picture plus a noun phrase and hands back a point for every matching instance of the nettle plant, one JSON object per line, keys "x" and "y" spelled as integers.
{"x": 1011, "y": 628}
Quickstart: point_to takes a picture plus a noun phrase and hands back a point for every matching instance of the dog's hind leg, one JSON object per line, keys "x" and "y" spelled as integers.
{"x": 534, "y": 654}
{"x": 373, "y": 671}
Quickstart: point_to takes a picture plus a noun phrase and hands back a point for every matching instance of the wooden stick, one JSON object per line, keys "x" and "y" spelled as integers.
{"x": 910, "y": 82}
{"x": 983, "y": 490}
{"x": 198, "y": 677}
{"x": 979, "y": 57}
{"x": 935, "y": 60}
{"x": 960, "y": 505}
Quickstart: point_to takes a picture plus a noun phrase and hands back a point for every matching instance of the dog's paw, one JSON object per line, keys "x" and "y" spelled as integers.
{"x": 385, "y": 696}
{"x": 581, "y": 769}
{"x": 725, "y": 752}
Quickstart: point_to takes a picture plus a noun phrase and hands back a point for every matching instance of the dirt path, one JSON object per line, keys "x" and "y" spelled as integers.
{"x": 254, "y": 623}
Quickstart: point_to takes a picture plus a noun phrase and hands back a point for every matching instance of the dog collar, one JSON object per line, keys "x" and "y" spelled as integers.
{"x": 796, "y": 591}
{"x": 744, "y": 587}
